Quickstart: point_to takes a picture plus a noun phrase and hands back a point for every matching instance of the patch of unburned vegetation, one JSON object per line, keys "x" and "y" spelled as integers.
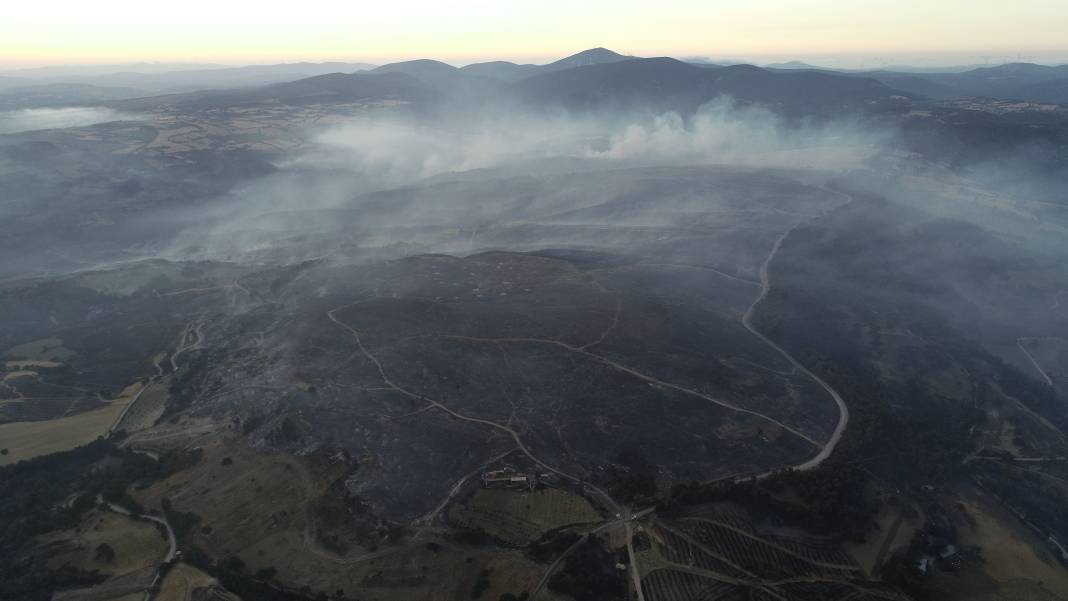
{"x": 181, "y": 582}
{"x": 27, "y": 364}
{"x": 1012, "y": 553}
{"x": 110, "y": 543}
{"x": 520, "y": 517}
{"x": 45, "y": 349}
{"x": 12, "y": 375}
{"x": 26, "y": 440}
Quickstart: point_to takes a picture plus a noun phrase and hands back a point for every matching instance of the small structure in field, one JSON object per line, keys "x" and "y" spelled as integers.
{"x": 508, "y": 478}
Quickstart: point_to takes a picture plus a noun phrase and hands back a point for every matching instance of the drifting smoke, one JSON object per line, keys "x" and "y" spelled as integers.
{"x": 723, "y": 133}
{"x": 372, "y": 154}
{"x": 397, "y": 152}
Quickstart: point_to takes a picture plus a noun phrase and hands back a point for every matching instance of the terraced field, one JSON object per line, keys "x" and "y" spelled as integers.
{"x": 148, "y": 408}
{"x": 676, "y": 585}
{"x": 720, "y": 556}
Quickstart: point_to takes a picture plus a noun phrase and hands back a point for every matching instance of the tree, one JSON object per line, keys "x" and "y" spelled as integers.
{"x": 104, "y": 553}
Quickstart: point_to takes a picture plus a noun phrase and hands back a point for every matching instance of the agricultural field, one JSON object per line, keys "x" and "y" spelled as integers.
{"x": 1013, "y": 556}
{"x": 765, "y": 555}
{"x": 36, "y": 386}
{"x": 520, "y": 517}
{"x": 148, "y": 408}
{"x": 677, "y": 585}
{"x": 721, "y": 556}
{"x": 30, "y": 364}
{"x": 257, "y": 506}
{"x": 26, "y": 440}
{"x": 46, "y": 349}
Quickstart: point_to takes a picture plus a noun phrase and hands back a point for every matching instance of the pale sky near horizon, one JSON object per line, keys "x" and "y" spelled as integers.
{"x": 264, "y": 31}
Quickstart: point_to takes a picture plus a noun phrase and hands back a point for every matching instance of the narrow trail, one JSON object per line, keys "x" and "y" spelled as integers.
{"x": 616, "y": 508}
{"x": 1034, "y": 362}
{"x": 642, "y": 376}
{"x": 1053, "y": 429}
{"x": 608, "y": 330}
{"x": 308, "y": 537}
{"x": 157, "y": 363}
{"x": 428, "y": 518}
{"x": 888, "y": 542}
{"x": 632, "y": 559}
{"x": 556, "y": 563}
{"x": 172, "y": 541}
{"x": 195, "y": 290}
{"x": 437, "y": 404}
{"x": 705, "y": 268}
{"x": 585, "y": 536}
{"x": 237, "y": 284}
{"x": 191, "y": 339}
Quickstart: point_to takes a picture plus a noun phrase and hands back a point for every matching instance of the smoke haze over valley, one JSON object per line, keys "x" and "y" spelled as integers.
{"x": 609, "y": 327}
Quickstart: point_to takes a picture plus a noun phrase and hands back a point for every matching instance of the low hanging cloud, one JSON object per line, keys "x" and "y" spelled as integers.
{"x": 37, "y": 119}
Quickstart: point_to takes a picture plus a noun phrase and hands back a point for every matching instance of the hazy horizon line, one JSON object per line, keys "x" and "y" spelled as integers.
{"x": 916, "y": 59}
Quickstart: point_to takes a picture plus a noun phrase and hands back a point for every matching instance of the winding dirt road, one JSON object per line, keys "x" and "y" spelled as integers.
{"x": 172, "y": 541}
{"x": 843, "y": 410}
{"x": 191, "y": 339}
{"x": 626, "y": 516}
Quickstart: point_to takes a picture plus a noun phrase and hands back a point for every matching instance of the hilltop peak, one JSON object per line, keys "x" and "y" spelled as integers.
{"x": 593, "y": 56}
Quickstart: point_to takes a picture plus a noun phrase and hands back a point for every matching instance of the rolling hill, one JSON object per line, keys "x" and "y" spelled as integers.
{"x": 669, "y": 84}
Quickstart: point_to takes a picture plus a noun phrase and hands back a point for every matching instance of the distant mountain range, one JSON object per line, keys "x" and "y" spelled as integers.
{"x": 590, "y": 80}
{"x": 1014, "y": 81}
{"x": 439, "y": 74}
{"x": 670, "y": 84}
{"x": 37, "y": 87}
{"x": 593, "y": 80}
{"x": 321, "y": 89}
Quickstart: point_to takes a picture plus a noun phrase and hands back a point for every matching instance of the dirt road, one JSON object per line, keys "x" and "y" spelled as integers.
{"x": 747, "y": 321}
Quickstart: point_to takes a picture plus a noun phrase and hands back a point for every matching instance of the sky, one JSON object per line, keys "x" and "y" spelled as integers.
{"x": 848, "y": 32}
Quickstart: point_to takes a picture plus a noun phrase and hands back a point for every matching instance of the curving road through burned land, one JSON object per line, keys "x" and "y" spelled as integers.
{"x": 843, "y": 410}
{"x": 623, "y": 515}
